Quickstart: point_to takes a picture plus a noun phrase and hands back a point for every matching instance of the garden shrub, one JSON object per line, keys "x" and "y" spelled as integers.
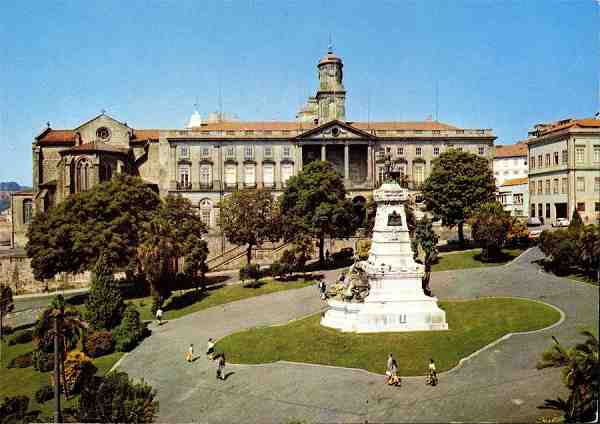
{"x": 42, "y": 361}
{"x": 104, "y": 307}
{"x": 24, "y": 336}
{"x": 116, "y": 398}
{"x": 78, "y": 370}
{"x": 7, "y": 330}
{"x": 44, "y": 394}
{"x": 13, "y": 409}
{"x": 250, "y": 272}
{"x": 99, "y": 343}
{"x": 344, "y": 254}
{"x": 21, "y": 361}
{"x": 130, "y": 332}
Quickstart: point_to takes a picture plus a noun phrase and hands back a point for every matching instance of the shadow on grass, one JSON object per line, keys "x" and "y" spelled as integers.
{"x": 502, "y": 257}
{"x": 457, "y": 247}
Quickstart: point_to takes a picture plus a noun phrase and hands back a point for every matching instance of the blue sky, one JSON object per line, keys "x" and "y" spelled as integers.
{"x": 504, "y": 65}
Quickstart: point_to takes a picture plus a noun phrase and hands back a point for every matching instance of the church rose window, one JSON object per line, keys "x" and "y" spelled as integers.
{"x": 103, "y": 133}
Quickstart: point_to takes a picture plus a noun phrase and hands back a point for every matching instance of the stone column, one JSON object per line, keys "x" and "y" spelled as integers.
{"x": 323, "y": 152}
{"x": 370, "y": 178}
{"x": 347, "y": 165}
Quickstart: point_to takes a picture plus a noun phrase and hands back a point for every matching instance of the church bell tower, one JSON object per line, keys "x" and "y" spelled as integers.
{"x": 331, "y": 95}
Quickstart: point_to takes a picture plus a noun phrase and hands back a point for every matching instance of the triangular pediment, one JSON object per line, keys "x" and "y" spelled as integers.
{"x": 335, "y": 130}
{"x": 104, "y": 128}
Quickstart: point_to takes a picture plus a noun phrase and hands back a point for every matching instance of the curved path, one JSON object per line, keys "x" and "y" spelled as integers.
{"x": 498, "y": 384}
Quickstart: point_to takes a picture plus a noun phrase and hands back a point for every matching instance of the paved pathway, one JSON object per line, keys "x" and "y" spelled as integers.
{"x": 499, "y": 384}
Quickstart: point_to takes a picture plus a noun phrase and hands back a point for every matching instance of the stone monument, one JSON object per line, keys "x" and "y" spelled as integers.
{"x": 384, "y": 293}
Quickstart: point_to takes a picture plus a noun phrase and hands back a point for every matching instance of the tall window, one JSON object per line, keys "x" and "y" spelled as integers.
{"x": 533, "y": 210}
{"x": 547, "y": 187}
{"x": 580, "y": 154}
{"x": 419, "y": 174}
{"x": 268, "y": 151}
{"x": 565, "y": 157}
{"x": 230, "y": 175}
{"x": 287, "y": 170}
{"x": 250, "y": 175}
{"x": 555, "y": 158}
{"x": 596, "y": 154}
{"x": 555, "y": 186}
{"x": 205, "y": 177}
{"x": 27, "y": 211}
{"x": 230, "y": 152}
{"x": 82, "y": 175}
{"x": 418, "y": 151}
{"x": 547, "y": 210}
{"x": 532, "y": 162}
{"x": 287, "y": 152}
{"x": 205, "y": 152}
{"x": 436, "y": 151}
{"x": 248, "y": 152}
{"x": 547, "y": 161}
{"x": 518, "y": 198}
{"x": 105, "y": 172}
{"x": 205, "y": 212}
{"x": 481, "y": 150}
{"x": 184, "y": 152}
{"x": 563, "y": 184}
{"x": 400, "y": 151}
{"x": 184, "y": 177}
{"x": 580, "y": 183}
{"x": 539, "y": 162}
{"x": 540, "y": 187}
{"x": 540, "y": 212}
{"x": 532, "y": 187}
{"x": 597, "y": 184}
{"x": 268, "y": 175}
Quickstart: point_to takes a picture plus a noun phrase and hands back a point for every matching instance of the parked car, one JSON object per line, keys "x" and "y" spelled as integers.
{"x": 561, "y": 222}
{"x": 534, "y": 222}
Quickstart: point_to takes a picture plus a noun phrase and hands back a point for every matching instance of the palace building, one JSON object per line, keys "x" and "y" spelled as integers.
{"x": 210, "y": 158}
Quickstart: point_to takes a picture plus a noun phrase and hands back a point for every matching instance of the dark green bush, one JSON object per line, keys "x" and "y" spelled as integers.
{"x": 44, "y": 394}
{"x": 24, "y": 336}
{"x": 42, "y": 361}
{"x": 250, "y": 272}
{"x": 21, "y": 361}
{"x": 104, "y": 307}
{"x": 130, "y": 332}
{"x": 99, "y": 343}
{"x": 344, "y": 254}
{"x": 13, "y": 409}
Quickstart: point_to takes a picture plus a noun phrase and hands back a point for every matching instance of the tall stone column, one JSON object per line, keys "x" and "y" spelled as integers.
{"x": 347, "y": 165}
{"x": 323, "y": 153}
{"x": 370, "y": 178}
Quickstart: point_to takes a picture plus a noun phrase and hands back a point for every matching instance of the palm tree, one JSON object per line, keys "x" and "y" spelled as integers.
{"x": 580, "y": 374}
{"x": 65, "y": 329}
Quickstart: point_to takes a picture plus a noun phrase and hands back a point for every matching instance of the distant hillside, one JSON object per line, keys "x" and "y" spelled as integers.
{"x": 5, "y": 188}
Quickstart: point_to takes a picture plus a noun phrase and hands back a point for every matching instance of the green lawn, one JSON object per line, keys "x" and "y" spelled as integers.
{"x": 26, "y": 381}
{"x": 179, "y": 305}
{"x": 472, "y": 259}
{"x": 473, "y": 324}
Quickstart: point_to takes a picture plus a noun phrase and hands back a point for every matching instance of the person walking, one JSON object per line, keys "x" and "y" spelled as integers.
{"x": 210, "y": 348}
{"x": 388, "y": 368}
{"x": 159, "y": 314}
{"x": 190, "y": 353}
{"x": 432, "y": 375}
{"x": 322, "y": 289}
{"x": 221, "y": 367}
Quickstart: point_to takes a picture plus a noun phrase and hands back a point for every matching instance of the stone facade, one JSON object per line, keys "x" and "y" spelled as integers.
{"x": 510, "y": 162}
{"x": 564, "y": 170}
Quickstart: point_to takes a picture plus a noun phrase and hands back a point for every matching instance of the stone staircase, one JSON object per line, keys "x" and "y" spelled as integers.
{"x": 233, "y": 258}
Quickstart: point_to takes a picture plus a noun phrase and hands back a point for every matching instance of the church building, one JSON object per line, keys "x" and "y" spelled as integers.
{"x": 210, "y": 158}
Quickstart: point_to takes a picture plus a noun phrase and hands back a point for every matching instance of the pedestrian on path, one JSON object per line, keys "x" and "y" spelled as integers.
{"x": 394, "y": 379}
{"x": 221, "y": 367}
{"x": 322, "y": 289}
{"x": 432, "y": 374}
{"x": 190, "y": 353}
{"x": 388, "y": 368}
{"x": 159, "y": 314}
{"x": 210, "y": 348}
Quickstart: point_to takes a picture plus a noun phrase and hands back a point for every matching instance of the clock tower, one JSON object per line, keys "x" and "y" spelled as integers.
{"x": 331, "y": 95}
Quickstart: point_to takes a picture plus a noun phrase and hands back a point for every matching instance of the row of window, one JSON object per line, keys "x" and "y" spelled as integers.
{"x": 548, "y": 160}
{"x": 507, "y": 162}
{"x": 419, "y": 151}
{"x": 418, "y": 172}
{"x": 504, "y": 198}
{"x": 541, "y": 209}
{"x": 286, "y": 152}
{"x": 230, "y": 175}
{"x": 544, "y": 186}
{"x": 507, "y": 172}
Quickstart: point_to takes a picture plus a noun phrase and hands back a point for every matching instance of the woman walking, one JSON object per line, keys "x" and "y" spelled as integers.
{"x": 221, "y": 367}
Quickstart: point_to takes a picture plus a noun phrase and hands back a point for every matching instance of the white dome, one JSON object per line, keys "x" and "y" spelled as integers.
{"x": 195, "y": 120}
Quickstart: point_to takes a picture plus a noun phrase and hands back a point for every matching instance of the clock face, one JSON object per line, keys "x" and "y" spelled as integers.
{"x": 103, "y": 133}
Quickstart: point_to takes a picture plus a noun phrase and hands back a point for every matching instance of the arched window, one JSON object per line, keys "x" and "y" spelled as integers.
{"x": 205, "y": 212}
{"x": 27, "y": 211}
{"x": 82, "y": 177}
{"x": 105, "y": 172}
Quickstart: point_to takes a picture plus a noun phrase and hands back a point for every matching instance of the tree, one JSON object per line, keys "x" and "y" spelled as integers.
{"x": 131, "y": 331}
{"x": 576, "y": 224}
{"x": 458, "y": 182}
{"x": 15, "y": 278}
{"x": 104, "y": 307}
{"x": 588, "y": 244}
{"x": 61, "y": 328}
{"x": 580, "y": 375}
{"x": 6, "y": 305}
{"x": 115, "y": 398}
{"x": 489, "y": 227}
{"x": 250, "y": 272}
{"x": 107, "y": 219}
{"x": 174, "y": 231}
{"x": 427, "y": 239}
{"x": 562, "y": 249}
{"x": 250, "y": 217}
{"x": 314, "y": 203}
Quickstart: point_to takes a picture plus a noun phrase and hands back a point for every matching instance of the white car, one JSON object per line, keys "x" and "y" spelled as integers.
{"x": 561, "y": 222}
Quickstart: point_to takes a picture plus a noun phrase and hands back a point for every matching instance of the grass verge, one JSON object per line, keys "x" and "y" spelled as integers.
{"x": 188, "y": 302}
{"x": 473, "y": 324}
{"x": 472, "y": 259}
